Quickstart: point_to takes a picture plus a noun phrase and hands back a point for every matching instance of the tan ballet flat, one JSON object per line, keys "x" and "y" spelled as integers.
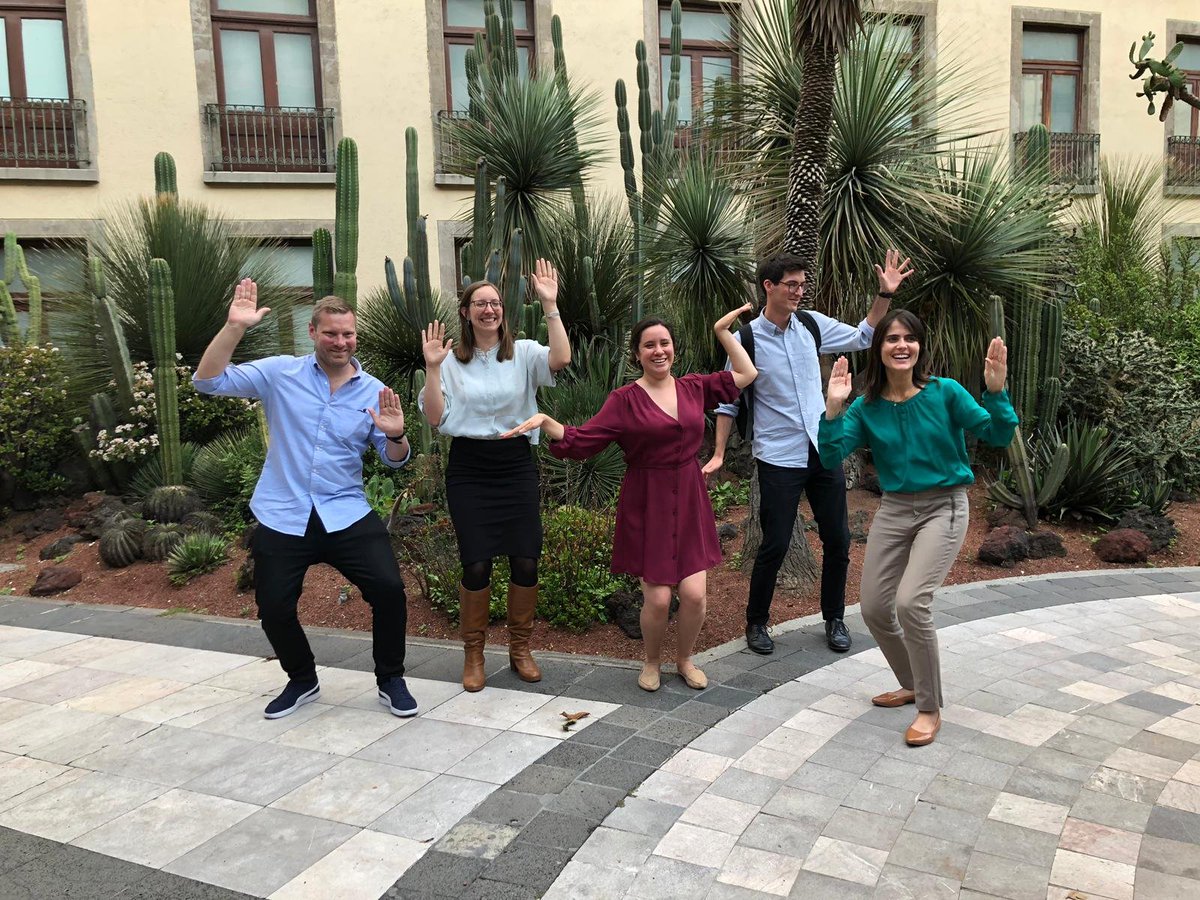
{"x": 697, "y": 680}
{"x": 915, "y": 738}
{"x": 649, "y": 679}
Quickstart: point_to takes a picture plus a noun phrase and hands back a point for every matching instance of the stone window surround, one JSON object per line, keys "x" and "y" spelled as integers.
{"x": 1089, "y": 24}
{"x": 447, "y": 231}
{"x": 1176, "y": 29}
{"x": 81, "y": 89}
{"x": 206, "y": 85}
{"x": 543, "y": 56}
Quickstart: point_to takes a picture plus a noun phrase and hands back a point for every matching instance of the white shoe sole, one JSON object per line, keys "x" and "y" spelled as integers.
{"x": 403, "y": 713}
{"x": 301, "y": 700}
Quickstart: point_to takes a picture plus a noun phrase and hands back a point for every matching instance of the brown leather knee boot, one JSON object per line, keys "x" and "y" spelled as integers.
{"x": 521, "y": 603}
{"x": 473, "y": 622}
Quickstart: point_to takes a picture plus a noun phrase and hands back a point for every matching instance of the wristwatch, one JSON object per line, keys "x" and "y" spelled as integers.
{"x": 398, "y": 439}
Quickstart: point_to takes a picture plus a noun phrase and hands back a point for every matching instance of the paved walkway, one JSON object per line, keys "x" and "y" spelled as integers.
{"x": 134, "y": 762}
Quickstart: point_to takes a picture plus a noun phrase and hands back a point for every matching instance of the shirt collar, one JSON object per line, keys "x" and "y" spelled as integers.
{"x": 312, "y": 361}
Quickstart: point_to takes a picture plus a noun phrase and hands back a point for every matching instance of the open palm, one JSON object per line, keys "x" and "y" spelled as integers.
{"x": 840, "y": 384}
{"x": 244, "y": 311}
{"x": 893, "y": 272}
{"x": 434, "y": 343}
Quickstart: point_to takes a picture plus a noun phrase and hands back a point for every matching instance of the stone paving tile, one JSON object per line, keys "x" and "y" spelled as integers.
{"x": 1015, "y": 842}
{"x": 846, "y": 860}
{"x": 869, "y": 829}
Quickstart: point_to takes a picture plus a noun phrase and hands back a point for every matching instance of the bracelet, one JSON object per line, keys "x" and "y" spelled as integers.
{"x": 886, "y": 295}
{"x": 398, "y": 439}
{"x": 554, "y": 315}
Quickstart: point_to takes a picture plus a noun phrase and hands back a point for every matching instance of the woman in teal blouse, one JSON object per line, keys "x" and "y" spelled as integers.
{"x": 914, "y": 425}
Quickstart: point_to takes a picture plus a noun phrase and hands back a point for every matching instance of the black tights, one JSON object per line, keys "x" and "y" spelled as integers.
{"x": 478, "y": 575}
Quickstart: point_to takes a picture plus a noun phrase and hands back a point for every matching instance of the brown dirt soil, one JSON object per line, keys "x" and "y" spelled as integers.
{"x": 146, "y": 584}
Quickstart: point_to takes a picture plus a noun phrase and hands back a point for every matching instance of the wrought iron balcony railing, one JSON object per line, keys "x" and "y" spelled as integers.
{"x": 1183, "y": 161}
{"x": 269, "y": 138}
{"x": 451, "y": 159}
{"x": 1073, "y": 157}
{"x": 43, "y": 134}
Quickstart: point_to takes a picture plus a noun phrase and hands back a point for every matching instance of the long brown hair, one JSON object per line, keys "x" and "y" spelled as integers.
{"x": 464, "y": 350}
{"x": 876, "y": 373}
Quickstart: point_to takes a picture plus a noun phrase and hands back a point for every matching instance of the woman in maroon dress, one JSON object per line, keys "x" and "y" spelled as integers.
{"x": 666, "y": 534}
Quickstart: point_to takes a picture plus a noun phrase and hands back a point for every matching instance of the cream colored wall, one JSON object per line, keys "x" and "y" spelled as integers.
{"x": 146, "y": 100}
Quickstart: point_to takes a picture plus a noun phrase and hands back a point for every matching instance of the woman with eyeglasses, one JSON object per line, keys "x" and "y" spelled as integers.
{"x": 665, "y": 534}
{"x": 487, "y": 386}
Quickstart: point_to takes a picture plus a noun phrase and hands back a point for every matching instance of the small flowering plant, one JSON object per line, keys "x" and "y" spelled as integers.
{"x": 35, "y": 428}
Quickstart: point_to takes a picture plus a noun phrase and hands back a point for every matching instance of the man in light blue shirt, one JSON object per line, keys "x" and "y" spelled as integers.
{"x": 309, "y": 500}
{"x": 786, "y": 410}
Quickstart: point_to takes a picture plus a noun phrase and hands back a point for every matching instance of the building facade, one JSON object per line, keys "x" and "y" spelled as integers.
{"x": 251, "y": 96}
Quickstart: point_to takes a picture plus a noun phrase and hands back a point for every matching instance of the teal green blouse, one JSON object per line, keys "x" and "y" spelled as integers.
{"x": 919, "y": 444}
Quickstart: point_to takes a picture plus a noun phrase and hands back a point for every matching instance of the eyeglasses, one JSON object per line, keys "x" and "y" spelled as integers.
{"x": 487, "y": 304}
{"x": 793, "y": 287}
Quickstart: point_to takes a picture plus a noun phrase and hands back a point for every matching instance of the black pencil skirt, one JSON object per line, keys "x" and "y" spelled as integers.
{"x": 493, "y": 493}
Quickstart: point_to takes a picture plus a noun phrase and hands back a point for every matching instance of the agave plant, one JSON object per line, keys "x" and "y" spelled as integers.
{"x": 207, "y": 255}
{"x": 697, "y": 258}
{"x": 539, "y": 135}
{"x": 389, "y": 344}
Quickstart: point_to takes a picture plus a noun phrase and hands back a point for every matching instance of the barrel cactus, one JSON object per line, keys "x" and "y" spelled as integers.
{"x": 121, "y": 542}
{"x": 201, "y": 523}
{"x": 170, "y": 503}
{"x": 160, "y": 540}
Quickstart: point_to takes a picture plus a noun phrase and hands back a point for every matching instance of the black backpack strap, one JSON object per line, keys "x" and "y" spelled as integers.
{"x": 806, "y": 318}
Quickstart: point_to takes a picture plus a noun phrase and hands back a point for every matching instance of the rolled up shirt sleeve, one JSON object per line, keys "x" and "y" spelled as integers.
{"x": 838, "y": 337}
{"x": 250, "y": 380}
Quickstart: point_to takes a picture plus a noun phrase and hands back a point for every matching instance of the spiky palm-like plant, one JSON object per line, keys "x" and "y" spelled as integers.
{"x": 540, "y": 137}
{"x": 207, "y": 255}
{"x": 389, "y": 345}
{"x": 697, "y": 258}
{"x": 821, "y": 29}
{"x": 1126, "y": 215}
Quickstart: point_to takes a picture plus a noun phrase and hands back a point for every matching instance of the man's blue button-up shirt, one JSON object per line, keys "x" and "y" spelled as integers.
{"x": 317, "y": 439}
{"x": 788, "y": 403}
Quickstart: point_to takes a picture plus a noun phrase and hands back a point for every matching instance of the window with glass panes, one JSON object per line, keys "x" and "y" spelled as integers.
{"x": 1051, "y": 79}
{"x": 461, "y": 21}
{"x": 266, "y": 53}
{"x": 708, "y": 55}
{"x": 1187, "y": 118}
{"x": 59, "y": 267}
{"x": 33, "y": 51}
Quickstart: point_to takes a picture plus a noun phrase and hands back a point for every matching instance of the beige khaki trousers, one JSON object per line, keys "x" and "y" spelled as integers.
{"x": 913, "y": 541}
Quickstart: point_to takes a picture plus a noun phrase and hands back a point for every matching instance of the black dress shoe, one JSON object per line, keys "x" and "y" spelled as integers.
{"x": 758, "y": 640}
{"x": 836, "y": 635}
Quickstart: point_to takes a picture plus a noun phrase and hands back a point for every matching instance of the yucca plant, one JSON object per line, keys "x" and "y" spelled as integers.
{"x": 195, "y": 555}
{"x": 1097, "y": 484}
{"x": 697, "y": 258}
{"x": 207, "y": 254}
{"x": 539, "y": 135}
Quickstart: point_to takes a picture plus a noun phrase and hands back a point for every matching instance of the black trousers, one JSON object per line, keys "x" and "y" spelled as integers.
{"x": 780, "y": 488}
{"x": 363, "y": 553}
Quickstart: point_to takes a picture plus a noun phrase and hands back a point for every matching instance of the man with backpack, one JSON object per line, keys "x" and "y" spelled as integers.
{"x": 780, "y": 414}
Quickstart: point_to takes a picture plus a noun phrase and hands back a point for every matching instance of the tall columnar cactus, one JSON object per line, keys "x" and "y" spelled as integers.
{"x": 1051, "y": 364}
{"x": 285, "y": 321}
{"x": 322, "y": 267}
{"x": 33, "y": 290}
{"x": 112, "y": 333}
{"x": 345, "y": 223}
{"x": 165, "y": 186}
{"x": 1037, "y": 151}
{"x": 162, "y": 339}
{"x": 513, "y": 288}
{"x": 418, "y": 237}
{"x": 10, "y": 331}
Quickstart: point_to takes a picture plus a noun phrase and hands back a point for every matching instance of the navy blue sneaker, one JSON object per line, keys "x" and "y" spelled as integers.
{"x": 393, "y": 694}
{"x": 294, "y": 696}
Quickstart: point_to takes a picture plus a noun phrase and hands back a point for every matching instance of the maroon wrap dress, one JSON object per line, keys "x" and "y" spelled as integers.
{"x": 665, "y": 525}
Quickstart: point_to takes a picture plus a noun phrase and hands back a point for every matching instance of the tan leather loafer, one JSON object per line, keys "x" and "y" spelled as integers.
{"x": 892, "y": 699}
{"x": 915, "y": 738}
{"x": 649, "y": 679}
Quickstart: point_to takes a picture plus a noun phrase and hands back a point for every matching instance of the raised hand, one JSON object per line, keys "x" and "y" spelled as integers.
{"x": 840, "y": 385}
{"x": 723, "y": 323}
{"x": 893, "y": 272}
{"x": 552, "y": 428}
{"x": 390, "y": 418}
{"x": 434, "y": 343}
{"x": 545, "y": 282}
{"x": 995, "y": 366}
{"x": 244, "y": 311}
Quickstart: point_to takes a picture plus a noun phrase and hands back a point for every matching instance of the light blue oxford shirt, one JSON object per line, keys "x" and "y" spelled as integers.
{"x": 788, "y": 403}
{"x": 317, "y": 439}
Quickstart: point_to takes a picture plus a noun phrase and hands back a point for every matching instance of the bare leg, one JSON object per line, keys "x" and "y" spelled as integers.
{"x": 692, "y": 591}
{"x": 656, "y": 607}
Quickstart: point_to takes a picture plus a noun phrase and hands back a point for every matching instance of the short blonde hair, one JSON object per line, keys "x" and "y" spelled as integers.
{"x": 333, "y": 305}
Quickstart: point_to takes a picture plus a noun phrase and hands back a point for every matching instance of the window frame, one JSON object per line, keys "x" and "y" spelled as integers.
{"x": 267, "y": 25}
{"x": 462, "y": 35}
{"x": 696, "y": 50}
{"x": 1049, "y": 68}
{"x": 32, "y": 9}
{"x": 1193, "y": 83}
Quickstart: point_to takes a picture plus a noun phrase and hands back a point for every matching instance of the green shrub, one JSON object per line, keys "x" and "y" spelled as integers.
{"x": 726, "y": 494}
{"x": 225, "y": 473}
{"x": 433, "y": 553}
{"x": 1097, "y": 484}
{"x": 203, "y": 417}
{"x": 35, "y": 427}
{"x": 196, "y": 554}
{"x": 1130, "y": 384}
{"x": 575, "y": 567}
